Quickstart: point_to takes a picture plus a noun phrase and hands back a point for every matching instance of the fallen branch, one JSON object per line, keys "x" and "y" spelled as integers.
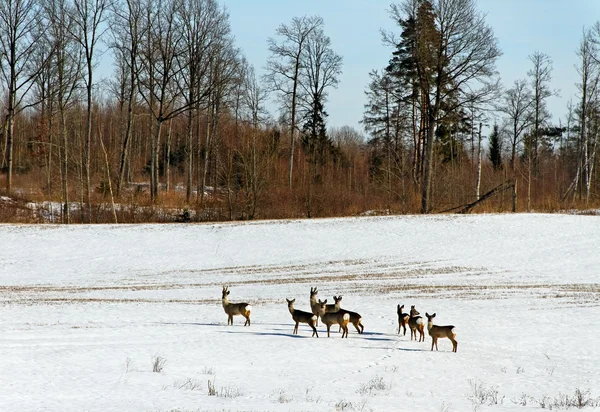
{"x": 500, "y": 188}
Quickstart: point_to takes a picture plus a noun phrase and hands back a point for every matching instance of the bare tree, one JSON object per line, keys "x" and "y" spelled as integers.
{"x": 285, "y": 65}
{"x": 65, "y": 71}
{"x": 255, "y": 158}
{"x": 19, "y": 36}
{"x": 127, "y": 30}
{"x": 589, "y": 70}
{"x": 517, "y": 103}
{"x": 204, "y": 26}
{"x": 540, "y": 76}
{"x": 322, "y": 66}
{"x": 88, "y": 15}
{"x": 158, "y": 75}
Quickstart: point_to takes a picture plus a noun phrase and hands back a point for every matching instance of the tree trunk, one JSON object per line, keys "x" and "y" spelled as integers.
{"x": 427, "y": 167}
{"x": 478, "y": 163}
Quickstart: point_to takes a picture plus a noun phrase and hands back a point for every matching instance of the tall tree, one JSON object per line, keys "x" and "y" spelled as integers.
{"x": 88, "y": 16}
{"x": 540, "y": 76}
{"x": 19, "y": 35}
{"x": 65, "y": 69}
{"x": 284, "y": 68}
{"x": 204, "y": 26}
{"x": 455, "y": 64}
{"x": 127, "y": 31}
{"x": 322, "y": 67}
{"x": 517, "y": 104}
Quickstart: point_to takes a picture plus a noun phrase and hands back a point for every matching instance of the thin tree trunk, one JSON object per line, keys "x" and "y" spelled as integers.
{"x": 168, "y": 157}
{"x": 478, "y": 163}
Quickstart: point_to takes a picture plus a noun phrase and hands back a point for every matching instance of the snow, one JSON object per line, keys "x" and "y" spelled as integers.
{"x": 85, "y": 311}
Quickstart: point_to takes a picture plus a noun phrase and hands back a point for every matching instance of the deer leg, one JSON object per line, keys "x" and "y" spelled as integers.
{"x": 230, "y": 320}
{"x": 454, "y": 344}
{"x": 296, "y": 329}
{"x": 314, "y": 330}
{"x": 328, "y": 327}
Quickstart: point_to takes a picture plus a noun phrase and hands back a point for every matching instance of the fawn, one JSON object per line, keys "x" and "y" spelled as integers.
{"x": 415, "y": 323}
{"x": 355, "y": 318}
{"x": 440, "y": 332}
{"x": 330, "y": 318}
{"x": 402, "y": 319}
{"x": 234, "y": 309}
{"x": 314, "y": 305}
{"x": 300, "y": 316}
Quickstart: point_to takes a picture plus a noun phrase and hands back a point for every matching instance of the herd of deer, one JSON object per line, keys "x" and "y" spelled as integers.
{"x": 333, "y": 314}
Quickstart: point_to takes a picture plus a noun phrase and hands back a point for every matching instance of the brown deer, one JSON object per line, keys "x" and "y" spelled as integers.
{"x": 355, "y": 318}
{"x": 415, "y": 323}
{"x": 300, "y": 316}
{"x": 314, "y": 305}
{"x": 234, "y": 309}
{"x": 437, "y": 332}
{"x": 402, "y": 319}
{"x": 332, "y": 318}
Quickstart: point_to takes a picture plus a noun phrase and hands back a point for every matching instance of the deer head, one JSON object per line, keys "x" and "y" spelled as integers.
{"x": 225, "y": 292}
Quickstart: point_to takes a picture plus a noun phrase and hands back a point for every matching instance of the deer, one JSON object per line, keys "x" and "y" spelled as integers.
{"x": 415, "y": 323}
{"x": 331, "y": 318}
{"x": 402, "y": 319}
{"x": 314, "y": 305}
{"x": 300, "y": 316}
{"x": 234, "y": 309}
{"x": 437, "y": 332}
{"x": 355, "y": 318}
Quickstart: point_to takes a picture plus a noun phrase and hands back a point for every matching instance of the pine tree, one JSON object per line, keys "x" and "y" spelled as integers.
{"x": 496, "y": 148}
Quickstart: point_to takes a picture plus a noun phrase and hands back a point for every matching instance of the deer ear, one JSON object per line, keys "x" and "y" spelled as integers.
{"x": 433, "y": 316}
{"x": 227, "y": 293}
{"x": 293, "y": 300}
{"x": 325, "y": 301}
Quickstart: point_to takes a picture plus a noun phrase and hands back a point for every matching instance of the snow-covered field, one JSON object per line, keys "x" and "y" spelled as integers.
{"x": 86, "y": 311}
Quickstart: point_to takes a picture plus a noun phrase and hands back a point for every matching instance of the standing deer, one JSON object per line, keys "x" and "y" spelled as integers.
{"x": 355, "y": 318}
{"x": 402, "y": 319}
{"x": 234, "y": 309}
{"x": 415, "y": 323}
{"x": 300, "y": 316}
{"x": 332, "y": 318}
{"x": 440, "y": 332}
{"x": 314, "y": 305}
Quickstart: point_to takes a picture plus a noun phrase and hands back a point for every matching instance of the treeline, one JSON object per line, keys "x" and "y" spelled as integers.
{"x": 181, "y": 131}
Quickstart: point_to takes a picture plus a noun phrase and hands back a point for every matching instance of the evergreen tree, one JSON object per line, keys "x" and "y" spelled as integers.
{"x": 495, "y": 148}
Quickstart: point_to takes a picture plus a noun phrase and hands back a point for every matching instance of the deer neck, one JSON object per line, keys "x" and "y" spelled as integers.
{"x": 291, "y": 309}
{"x": 429, "y": 325}
{"x": 225, "y": 301}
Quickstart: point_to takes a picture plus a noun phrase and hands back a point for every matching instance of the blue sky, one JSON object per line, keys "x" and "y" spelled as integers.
{"x": 553, "y": 27}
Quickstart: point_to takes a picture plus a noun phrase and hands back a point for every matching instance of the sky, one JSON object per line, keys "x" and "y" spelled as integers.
{"x": 522, "y": 27}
